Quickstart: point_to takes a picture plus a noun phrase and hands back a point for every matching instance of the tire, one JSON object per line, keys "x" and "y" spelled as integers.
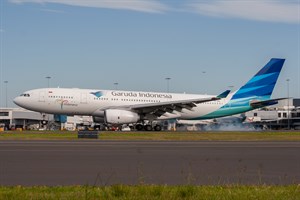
{"x": 148, "y": 128}
{"x": 157, "y": 128}
{"x": 139, "y": 127}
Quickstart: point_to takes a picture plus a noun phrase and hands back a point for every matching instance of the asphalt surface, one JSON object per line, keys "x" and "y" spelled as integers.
{"x": 95, "y": 162}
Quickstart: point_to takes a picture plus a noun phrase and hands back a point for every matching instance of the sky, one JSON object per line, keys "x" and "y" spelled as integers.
{"x": 204, "y": 46}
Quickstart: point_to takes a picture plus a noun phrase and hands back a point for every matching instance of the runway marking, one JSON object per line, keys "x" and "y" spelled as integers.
{"x": 143, "y": 146}
{"x": 147, "y": 144}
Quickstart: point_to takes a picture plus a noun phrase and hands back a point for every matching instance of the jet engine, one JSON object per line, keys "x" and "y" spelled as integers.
{"x": 99, "y": 120}
{"x": 98, "y": 116}
{"x": 114, "y": 116}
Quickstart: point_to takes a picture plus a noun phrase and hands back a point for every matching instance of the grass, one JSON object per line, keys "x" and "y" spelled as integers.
{"x": 206, "y": 136}
{"x": 159, "y": 136}
{"x": 140, "y": 192}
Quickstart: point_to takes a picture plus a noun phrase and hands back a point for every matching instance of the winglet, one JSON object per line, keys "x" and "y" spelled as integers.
{"x": 224, "y": 94}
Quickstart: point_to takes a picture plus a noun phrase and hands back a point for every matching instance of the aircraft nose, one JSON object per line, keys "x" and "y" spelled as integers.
{"x": 17, "y": 101}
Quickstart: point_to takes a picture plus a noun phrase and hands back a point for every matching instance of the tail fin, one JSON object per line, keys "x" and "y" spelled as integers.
{"x": 263, "y": 83}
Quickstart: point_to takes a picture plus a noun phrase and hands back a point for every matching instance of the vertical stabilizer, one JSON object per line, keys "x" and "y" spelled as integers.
{"x": 262, "y": 84}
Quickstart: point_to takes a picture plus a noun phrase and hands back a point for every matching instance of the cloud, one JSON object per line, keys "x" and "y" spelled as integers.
{"x": 259, "y": 10}
{"x": 150, "y": 6}
{"x": 52, "y": 11}
{"x": 284, "y": 11}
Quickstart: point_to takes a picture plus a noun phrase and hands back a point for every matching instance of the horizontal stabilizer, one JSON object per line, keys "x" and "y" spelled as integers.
{"x": 224, "y": 94}
{"x": 270, "y": 102}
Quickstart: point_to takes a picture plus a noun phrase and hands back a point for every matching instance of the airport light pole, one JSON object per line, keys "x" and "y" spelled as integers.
{"x": 6, "y": 82}
{"x": 116, "y": 85}
{"x": 48, "y": 77}
{"x": 168, "y": 80}
{"x": 288, "y": 96}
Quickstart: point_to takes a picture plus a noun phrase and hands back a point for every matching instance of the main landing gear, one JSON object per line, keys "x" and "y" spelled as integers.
{"x": 147, "y": 127}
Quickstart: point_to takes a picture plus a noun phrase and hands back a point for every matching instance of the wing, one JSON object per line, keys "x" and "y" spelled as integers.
{"x": 154, "y": 110}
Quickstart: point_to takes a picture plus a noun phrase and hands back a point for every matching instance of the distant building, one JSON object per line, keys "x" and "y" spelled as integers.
{"x": 286, "y": 114}
{"x": 281, "y": 116}
{"x": 11, "y": 118}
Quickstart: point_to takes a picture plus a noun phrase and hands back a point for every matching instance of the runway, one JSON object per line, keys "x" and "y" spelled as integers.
{"x": 96, "y": 162}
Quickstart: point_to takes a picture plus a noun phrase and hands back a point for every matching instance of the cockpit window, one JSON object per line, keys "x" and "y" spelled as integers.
{"x": 25, "y": 95}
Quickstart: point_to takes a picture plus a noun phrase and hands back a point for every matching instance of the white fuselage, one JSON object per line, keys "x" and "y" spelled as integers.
{"x": 92, "y": 102}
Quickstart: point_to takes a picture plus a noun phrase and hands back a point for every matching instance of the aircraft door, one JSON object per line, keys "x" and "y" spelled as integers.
{"x": 83, "y": 98}
{"x": 42, "y": 96}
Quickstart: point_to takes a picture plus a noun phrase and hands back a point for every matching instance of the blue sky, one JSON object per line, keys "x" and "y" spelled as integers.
{"x": 204, "y": 46}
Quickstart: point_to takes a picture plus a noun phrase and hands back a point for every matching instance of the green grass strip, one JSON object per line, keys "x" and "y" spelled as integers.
{"x": 291, "y": 192}
{"x": 158, "y": 136}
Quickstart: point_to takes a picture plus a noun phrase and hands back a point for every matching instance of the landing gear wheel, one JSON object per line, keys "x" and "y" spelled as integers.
{"x": 139, "y": 127}
{"x": 157, "y": 128}
{"x": 148, "y": 128}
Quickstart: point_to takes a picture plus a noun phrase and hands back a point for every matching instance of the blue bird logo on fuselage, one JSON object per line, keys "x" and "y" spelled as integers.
{"x": 98, "y": 94}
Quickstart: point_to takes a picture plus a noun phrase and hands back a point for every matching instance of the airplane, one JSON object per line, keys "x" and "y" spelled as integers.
{"x": 117, "y": 107}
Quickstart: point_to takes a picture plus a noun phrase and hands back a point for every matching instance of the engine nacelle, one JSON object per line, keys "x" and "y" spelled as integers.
{"x": 114, "y": 116}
